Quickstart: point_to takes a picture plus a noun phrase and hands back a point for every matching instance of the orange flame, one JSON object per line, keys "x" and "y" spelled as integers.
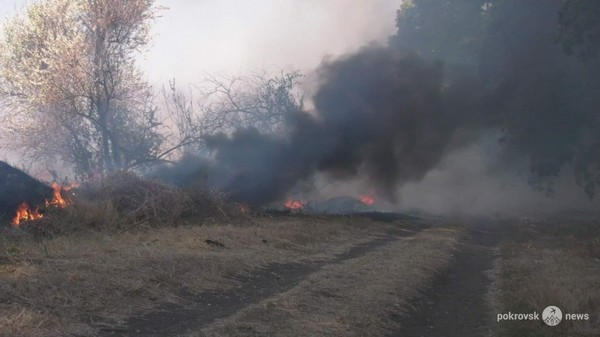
{"x": 244, "y": 208}
{"x": 25, "y": 213}
{"x": 57, "y": 199}
{"x": 294, "y": 204}
{"x": 367, "y": 199}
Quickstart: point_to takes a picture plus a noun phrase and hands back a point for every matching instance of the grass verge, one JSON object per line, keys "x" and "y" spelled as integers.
{"x": 552, "y": 262}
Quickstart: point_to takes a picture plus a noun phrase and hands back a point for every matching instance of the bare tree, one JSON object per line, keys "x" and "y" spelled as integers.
{"x": 68, "y": 75}
{"x": 228, "y": 104}
{"x": 253, "y": 101}
{"x": 258, "y": 101}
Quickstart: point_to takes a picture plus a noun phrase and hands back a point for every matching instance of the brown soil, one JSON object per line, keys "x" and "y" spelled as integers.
{"x": 456, "y": 306}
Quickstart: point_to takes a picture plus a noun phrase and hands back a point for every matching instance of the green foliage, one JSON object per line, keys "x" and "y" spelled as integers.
{"x": 543, "y": 98}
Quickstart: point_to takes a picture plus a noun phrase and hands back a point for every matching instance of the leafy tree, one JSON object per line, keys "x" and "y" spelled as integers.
{"x": 544, "y": 99}
{"x": 579, "y": 27}
{"x": 448, "y": 30}
{"x": 68, "y": 75}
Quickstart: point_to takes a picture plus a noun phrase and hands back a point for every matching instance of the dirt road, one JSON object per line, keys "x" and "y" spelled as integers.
{"x": 456, "y": 304}
{"x": 172, "y": 320}
{"x": 426, "y": 283}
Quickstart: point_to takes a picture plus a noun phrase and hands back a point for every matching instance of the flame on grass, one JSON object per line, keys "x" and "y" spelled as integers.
{"x": 294, "y": 204}
{"x": 27, "y": 213}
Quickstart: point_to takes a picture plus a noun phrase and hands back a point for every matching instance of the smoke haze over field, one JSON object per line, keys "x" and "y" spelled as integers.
{"x": 384, "y": 115}
{"x": 461, "y": 108}
{"x": 416, "y": 117}
{"x": 192, "y": 38}
{"x": 472, "y": 180}
{"x": 231, "y": 36}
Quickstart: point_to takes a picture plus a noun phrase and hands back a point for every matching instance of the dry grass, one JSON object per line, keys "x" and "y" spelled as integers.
{"x": 60, "y": 286}
{"x": 549, "y": 263}
{"x": 23, "y": 322}
{"x": 124, "y": 201}
{"x": 358, "y": 297}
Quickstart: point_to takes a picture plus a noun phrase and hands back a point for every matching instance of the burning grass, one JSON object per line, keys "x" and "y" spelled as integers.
{"x": 17, "y": 191}
{"x": 122, "y": 201}
{"x": 26, "y": 213}
{"x": 134, "y": 245}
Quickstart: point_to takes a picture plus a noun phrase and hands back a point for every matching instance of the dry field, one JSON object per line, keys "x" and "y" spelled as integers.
{"x": 105, "y": 282}
{"x": 362, "y": 296}
{"x": 548, "y": 262}
{"x": 302, "y": 275}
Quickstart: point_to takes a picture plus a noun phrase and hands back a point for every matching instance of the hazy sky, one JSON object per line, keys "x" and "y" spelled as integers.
{"x": 195, "y": 37}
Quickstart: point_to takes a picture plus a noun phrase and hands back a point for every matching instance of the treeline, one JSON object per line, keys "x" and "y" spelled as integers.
{"x": 454, "y": 70}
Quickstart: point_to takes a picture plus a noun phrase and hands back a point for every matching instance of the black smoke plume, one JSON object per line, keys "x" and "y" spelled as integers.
{"x": 383, "y": 115}
{"x": 455, "y": 73}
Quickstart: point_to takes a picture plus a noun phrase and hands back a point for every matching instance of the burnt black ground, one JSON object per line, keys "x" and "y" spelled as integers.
{"x": 203, "y": 309}
{"x": 16, "y": 187}
{"x": 455, "y": 305}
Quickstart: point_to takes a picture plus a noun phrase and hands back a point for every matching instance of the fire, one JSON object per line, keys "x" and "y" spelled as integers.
{"x": 294, "y": 204}
{"x": 57, "y": 199}
{"x": 26, "y": 213}
{"x": 367, "y": 199}
{"x": 244, "y": 208}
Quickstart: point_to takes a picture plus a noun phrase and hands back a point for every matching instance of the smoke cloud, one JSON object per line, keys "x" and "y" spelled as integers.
{"x": 413, "y": 120}
{"x": 379, "y": 114}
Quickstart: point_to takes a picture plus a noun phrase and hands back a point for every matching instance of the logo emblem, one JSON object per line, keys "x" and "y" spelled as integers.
{"x": 552, "y": 315}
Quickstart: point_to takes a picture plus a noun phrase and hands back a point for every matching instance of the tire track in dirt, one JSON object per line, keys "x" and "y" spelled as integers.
{"x": 174, "y": 320}
{"x": 455, "y": 305}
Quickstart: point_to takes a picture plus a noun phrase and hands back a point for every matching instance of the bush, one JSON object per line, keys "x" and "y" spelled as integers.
{"x": 124, "y": 201}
